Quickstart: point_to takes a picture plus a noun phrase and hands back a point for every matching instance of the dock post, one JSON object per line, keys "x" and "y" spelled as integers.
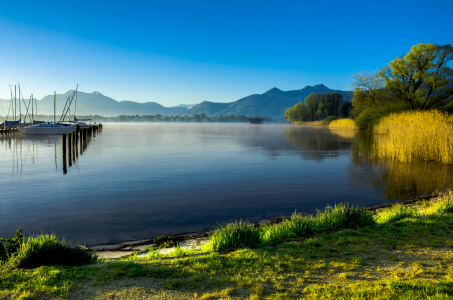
{"x": 65, "y": 167}
{"x": 70, "y": 148}
{"x": 77, "y": 134}
{"x": 64, "y": 144}
{"x": 81, "y": 141}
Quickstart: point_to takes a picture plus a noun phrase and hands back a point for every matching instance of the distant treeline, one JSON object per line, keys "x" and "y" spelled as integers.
{"x": 146, "y": 118}
{"x": 419, "y": 80}
{"x": 319, "y": 106}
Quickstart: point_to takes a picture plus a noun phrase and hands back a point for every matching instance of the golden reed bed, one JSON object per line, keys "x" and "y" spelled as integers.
{"x": 342, "y": 124}
{"x": 415, "y": 136}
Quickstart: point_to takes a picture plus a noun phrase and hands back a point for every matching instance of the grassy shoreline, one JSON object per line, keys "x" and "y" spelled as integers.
{"x": 407, "y": 254}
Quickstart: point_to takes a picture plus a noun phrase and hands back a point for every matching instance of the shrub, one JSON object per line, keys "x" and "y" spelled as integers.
{"x": 370, "y": 117}
{"x": 48, "y": 250}
{"x": 237, "y": 234}
{"x": 329, "y": 119}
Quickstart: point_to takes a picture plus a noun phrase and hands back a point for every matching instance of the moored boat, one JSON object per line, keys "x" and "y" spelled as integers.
{"x": 46, "y": 129}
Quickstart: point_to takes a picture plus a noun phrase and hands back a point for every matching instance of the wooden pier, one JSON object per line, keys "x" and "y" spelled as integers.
{"x": 9, "y": 131}
{"x": 78, "y": 139}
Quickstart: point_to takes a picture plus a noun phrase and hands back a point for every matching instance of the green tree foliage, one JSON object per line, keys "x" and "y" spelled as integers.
{"x": 371, "y": 115}
{"x": 369, "y": 91}
{"x": 421, "y": 79}
{"x": 317, "y": 106}
{"x": 298, "y": 112}
{"x": 345, "y": 109}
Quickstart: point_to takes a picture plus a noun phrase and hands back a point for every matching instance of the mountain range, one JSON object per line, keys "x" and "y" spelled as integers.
{"x": 272, "y": 103}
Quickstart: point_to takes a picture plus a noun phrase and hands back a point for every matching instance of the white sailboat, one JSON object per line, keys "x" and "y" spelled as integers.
{"x": 52, "y": 128}
{"x": 46, "y": 129}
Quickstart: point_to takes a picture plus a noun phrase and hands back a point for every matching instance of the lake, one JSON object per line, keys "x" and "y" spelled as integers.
{"x": 136, "y": 181}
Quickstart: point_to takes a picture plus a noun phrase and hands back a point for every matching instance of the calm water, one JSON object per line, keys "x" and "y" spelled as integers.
{"x": 137, "y": 181}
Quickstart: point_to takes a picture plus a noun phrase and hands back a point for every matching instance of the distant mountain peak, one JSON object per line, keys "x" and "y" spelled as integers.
{"x": 273, "y": 91}
{"x": 320, "y": 85}
{"x": 96, "y": 94}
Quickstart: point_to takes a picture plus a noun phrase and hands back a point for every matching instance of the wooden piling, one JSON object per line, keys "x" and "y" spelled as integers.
{"x": 70, "y": 148}
{"x": 65, "y": 168}
{"x": 77, "y": 135}
{"x": 81, "y": 141}
{"x": 64, "y": 144}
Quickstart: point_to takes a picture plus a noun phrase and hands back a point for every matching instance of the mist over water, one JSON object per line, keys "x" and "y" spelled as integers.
{"x": 136, "y": 181}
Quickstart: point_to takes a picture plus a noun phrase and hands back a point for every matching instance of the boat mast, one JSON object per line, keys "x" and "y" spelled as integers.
{"x": 54, "y": 96}
{"x": 15, "y": 105}
{"x": 11, "y": 92}
{"x": 75, "y": 102}
{"x": 32, "y": 116}
{"x": 20, "y": 111}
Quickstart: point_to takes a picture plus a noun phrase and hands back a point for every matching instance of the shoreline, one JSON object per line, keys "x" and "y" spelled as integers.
{"x": 134, "y": 245}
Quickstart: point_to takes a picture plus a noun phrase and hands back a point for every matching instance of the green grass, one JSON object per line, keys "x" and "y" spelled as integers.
{"x": 444, "y": 206}
{"x": 235, "y": 235}
{"x": 396, "y": 212}
{"x": 310, "y": 268}
{"x": 46, "y": 249}
{"x": 242, "y": 234}
{"x": 410, "y": 257}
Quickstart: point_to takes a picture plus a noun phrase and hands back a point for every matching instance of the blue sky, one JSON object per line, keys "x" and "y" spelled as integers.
{"x": 174, "y": 52}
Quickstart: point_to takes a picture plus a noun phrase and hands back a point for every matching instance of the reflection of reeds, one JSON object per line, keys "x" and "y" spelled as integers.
{"x": 342, "y": 124}
{"x": 316, "y": 123}
{"x": 344, "y": 133}
{"x": 415, "y": 136}
{"x": 397, "y": 179}
{"x": 416, "y": 178}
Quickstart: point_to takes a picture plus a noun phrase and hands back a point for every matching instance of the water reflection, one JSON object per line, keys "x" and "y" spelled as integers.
{"x": 316, "y": 142}
{"x": 24, "y": 150}
{"x": 391, "y": 179}
{"x": 144, "y": 180}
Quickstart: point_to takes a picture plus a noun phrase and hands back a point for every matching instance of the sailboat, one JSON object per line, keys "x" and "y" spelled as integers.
{"x": 52, "y": 128}
{"x": 48, "y": 128}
